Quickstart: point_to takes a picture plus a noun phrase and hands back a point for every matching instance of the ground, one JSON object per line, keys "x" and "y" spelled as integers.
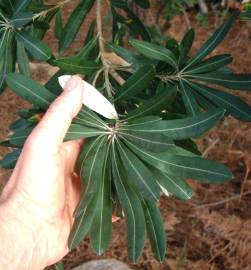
{"x": 211, "y": 231}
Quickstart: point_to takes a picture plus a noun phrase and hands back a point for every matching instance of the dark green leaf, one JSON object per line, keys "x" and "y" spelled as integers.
{"x": 138, "y": 174}
{"x": 21, "y": 19}
{"x": 173, "y": 185}
{"x": 78, "y": 132}
{"x": 155, "y": 229}
{"x": 59, "y": 31}
{"x": 186, "y": 45}
{"x": 154, "y": 51}
{"x": 185, "y": 166}
{"x": 77, "y": 65}
{"x": 53, "y": 85}
{"x": 212, "y": 63}
{"x": 21, "y": 5}
{"x": 233, "y": 81}
{"x": 23, "y": 60}
{"x": 3, "y": 43}
{"x": 37, "y": 48}
{"x": 136, "y": 83}
{"x": 30, "y": 90}
{"x": 234, "y": 105}
{"x": 180, "y": 128}
{"x": 161, "y": 100}
{"x": 74, "y": 23}
{"x": 102, "y": 224}
{"x": 19, "y": 137}
{"x": 213, "y": 41}
{"x": 132, "y": 208}
{"x": 191, "y": 105}
{"x": 93, "y": 173}
{"x": 9, "y": 161}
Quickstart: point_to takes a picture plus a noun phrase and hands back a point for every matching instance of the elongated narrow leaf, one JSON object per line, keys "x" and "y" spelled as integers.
{"x": 88, "y": 48}
{"x": 233, "y": 81}
{"x": 156, "y": 104}
{"x": 136, "y": 83}
{"x": 23, "y": 60}
{"x": 59, "y": 25}
{"x": 93, "y": 173}
{"x": 213, "y": 41}
{"x": 53, "y": 85}
{"x": 30, "y": 90}
{"x": 185, "y": 45}
{"x": 180, "y": 128}
{"x": 77, "y": 65}
{"x": 143, "y": 3}
{"x": 7, "y": 60}
{"x": 151, "y": 142}
{"x": 234, "y": 105}
{"x": 19, "y": 137}
{"x": 21, "y": 5}
{"x": 138, "y": 174}
{"x": 78, "y": 132}
{"x": 132, "y": 208}
{"x": 191, "y": 105}
{"x": 211, "y": 64}
{"x": 173, "y": 185}
{"x": 3, "y": 43}
{"x": 185, "y": 167}
{"x": 203, "y": 101}
{"x": 21, "y": 19}
{"x": 155, "y": 229}
{"x": 74, "y": 23}
{"x": 154, "y": 51}
{"x": 9, "y": 161}
{"x": 37, "y": 48}
{"x": 102, "y": 224}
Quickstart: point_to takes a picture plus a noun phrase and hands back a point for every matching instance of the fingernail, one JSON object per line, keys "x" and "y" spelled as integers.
{"x": 72, "y": 84}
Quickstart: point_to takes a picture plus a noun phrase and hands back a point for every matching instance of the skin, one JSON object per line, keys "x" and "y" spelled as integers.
{"x": 37, "y": 203}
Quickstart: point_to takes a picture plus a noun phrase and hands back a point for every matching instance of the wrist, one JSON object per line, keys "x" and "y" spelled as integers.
{"x": 19, "y": 241}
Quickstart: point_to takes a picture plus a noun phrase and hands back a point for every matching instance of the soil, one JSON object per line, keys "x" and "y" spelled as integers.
{"x": 212, "y": 230}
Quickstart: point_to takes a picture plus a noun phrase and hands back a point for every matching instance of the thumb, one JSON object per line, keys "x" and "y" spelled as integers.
{"x": 53, "y": 127}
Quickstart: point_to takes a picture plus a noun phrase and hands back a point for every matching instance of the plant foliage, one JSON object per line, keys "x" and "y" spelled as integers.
{"x": 165, "y": 98}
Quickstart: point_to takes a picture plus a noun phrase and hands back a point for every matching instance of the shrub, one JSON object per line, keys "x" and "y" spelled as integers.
{"x": 164, "y": 96}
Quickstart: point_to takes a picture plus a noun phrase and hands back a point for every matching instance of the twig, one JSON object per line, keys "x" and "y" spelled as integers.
{"x": 210, "y": 147}
{"x": 235, "y": 197}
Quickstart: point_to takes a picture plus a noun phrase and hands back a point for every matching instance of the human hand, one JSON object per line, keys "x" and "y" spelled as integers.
{"x": 38, "y": 201}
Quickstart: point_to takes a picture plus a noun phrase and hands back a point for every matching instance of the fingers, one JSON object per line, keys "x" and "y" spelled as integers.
{"x": 53, "y": 127}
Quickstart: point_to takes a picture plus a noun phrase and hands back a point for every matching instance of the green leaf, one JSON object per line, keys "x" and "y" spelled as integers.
{"x": 9, "y": 161}
{"x": 210, "y": 64}
{"x": 88, "y": 48}
{"x": 23, "y": 60}
{"x": 30, "y": 90}
{"x": 91, "y": 32}
{"x": 179, "y": 128}
{"x": 102, "y": 224}
{"x": 74, "y": 23}
{"x": 53, "y": 85}
{"x": 186, "y": 45}
{"x": 185, "y": 166}
{"x": 19, "y": 137}
{"x": 160, "y": 101}
{"x": 155, "y": 229}
{"x": 59, "y": 31}
{"x": 7, "y": 61}
{"x": 77, "y": 65}
{"x": 136, "y": 83}
{"x": 173, "y": 184}
{"x": 21, "y": 19}
{"x": 3, "y": 43}
{"x": 132, "y": 208}
{"x": 76, "y": 132}
{"x": 93, "y": 173}
{"x": 21, "y": 5}
{"x": 233, "y": 81}
{"x": 143, "y": 3}
{"x": 156, "y": 52}
{"x": 234, "y": 105}
{"x": 212, "y": 42}
{"x": 152, "y": 142}
{"x": 138, "y": 175}
{"x": 191, "y": 105}
{"x": 37, "y": 48}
